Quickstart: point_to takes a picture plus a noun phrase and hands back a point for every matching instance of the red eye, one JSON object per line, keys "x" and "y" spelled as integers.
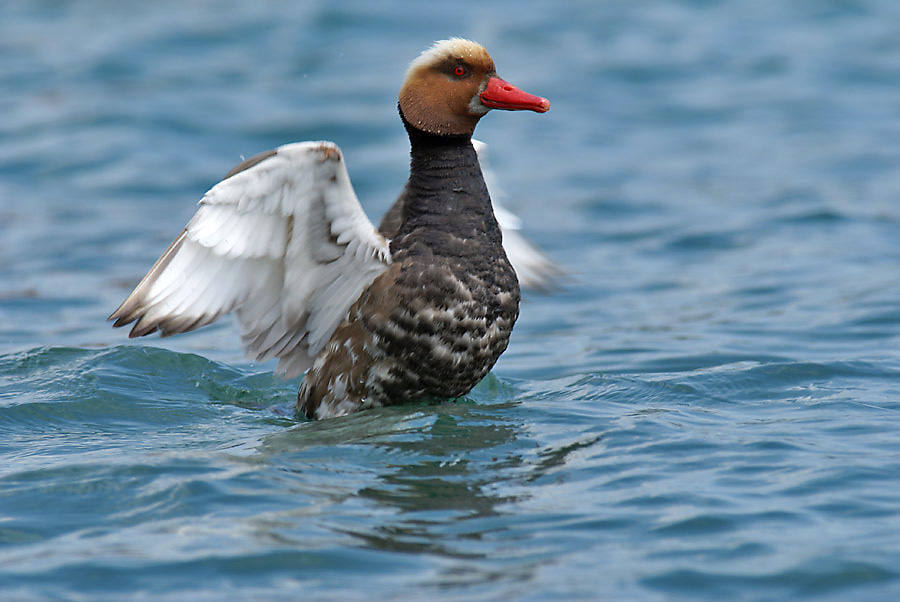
{"x": 459, "y": 71}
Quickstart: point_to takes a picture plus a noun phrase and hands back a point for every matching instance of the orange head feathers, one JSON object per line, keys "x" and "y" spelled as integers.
{"x": 450, "y": 86}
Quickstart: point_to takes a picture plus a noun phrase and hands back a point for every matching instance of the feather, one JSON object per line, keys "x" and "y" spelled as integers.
{"x": 533, "y": 267}
{"x": 283, "y": 242}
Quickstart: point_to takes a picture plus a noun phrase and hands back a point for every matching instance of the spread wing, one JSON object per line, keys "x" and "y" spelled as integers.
{"x": 533, "y": 267}
{"x": 283, "y": 242}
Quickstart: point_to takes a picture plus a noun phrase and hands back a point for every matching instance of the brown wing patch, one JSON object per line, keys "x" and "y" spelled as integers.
{"x": 330, "y": 151}
{"x": 338, "y": 377}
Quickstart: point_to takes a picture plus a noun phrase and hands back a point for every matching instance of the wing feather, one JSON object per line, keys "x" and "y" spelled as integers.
{"x": 533, "y": 267}
{"x": 283, "y": 242}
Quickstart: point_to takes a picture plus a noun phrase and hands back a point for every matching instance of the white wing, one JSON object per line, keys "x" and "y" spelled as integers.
{"x": 283, "y": 242}
{"x": 534, "y": 269}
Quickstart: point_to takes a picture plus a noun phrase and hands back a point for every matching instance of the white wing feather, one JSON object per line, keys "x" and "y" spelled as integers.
{"x": 283, "y": 243}
{"x": 533, "y": 268}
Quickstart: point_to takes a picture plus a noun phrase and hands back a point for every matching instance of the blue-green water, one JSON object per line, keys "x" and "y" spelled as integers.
{"x": 709, "y": 409}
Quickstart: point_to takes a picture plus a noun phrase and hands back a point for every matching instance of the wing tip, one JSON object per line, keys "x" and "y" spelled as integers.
{"x": 120, "y": 321}
{"x": 548, "y": 280}
{"x": 140, "y": 331}
{"x": 325, "y": 149}
{"x": 125, "y": 313}
{"x": 329, "y": 150}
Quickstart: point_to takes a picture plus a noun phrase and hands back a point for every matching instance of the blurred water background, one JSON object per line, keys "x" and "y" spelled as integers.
{"x": 708, "y": 409}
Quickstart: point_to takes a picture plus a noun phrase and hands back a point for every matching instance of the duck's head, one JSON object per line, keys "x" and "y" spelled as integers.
{"x": 450, "y": 86}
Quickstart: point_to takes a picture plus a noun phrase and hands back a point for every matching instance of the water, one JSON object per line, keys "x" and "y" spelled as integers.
{"x": 709, "y": 409}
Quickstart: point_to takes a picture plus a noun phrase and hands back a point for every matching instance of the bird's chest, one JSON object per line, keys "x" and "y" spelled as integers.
{"x": 446, "y": 329}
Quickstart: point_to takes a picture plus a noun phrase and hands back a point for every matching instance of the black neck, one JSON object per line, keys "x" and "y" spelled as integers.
{"x": 446, "y": 189}
{"x": 421, "y": 138}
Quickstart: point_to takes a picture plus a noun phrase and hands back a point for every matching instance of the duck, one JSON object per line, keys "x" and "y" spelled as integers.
{"x": 419, "y": 308}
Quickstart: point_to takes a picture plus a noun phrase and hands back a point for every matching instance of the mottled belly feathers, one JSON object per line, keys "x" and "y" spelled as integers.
{"x": 424, "y": 329}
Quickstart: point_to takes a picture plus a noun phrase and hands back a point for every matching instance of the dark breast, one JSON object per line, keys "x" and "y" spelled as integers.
{"x": 451, "y": 322}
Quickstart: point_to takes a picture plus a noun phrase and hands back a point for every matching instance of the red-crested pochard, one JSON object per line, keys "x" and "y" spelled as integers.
{"x": 420, "y": 308}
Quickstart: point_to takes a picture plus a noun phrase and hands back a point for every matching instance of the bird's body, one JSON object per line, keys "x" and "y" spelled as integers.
{"x": 420, "y": 309}
{"x": 435, "y": 322}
